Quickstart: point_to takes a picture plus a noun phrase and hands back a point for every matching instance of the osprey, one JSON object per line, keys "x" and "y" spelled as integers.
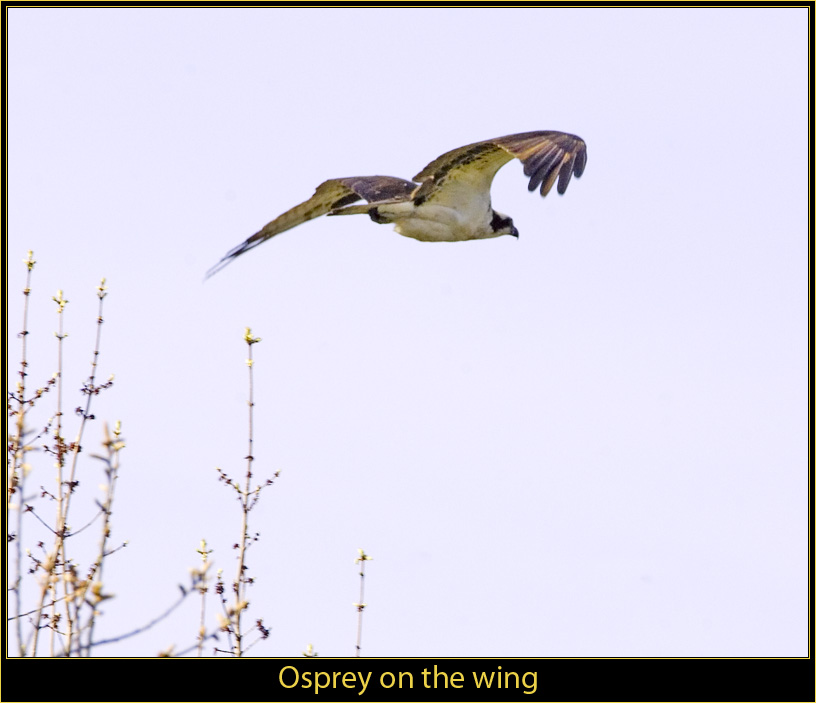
{"x": 448, "y": 200}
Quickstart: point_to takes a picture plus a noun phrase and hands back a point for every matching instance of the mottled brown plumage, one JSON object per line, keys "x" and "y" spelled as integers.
{"x": 545, "y": 156}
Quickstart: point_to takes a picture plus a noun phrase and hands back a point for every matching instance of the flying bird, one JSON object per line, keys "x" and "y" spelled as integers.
{"x": 448, "y": 200}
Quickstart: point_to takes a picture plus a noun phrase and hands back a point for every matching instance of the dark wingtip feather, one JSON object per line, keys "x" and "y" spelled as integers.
{"x": 215, "y": 269}
{"x": 540, "y": 165}
{"x": 258, "y": 238}
{"x": 580, "y": 162}
{"x": 231, "y": 254}
{"x": 565, "y": 173}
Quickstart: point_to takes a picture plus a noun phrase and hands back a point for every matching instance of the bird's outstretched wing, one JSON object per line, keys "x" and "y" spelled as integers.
{"x": 467, "y": 172}
{"x": 330, "y": 195}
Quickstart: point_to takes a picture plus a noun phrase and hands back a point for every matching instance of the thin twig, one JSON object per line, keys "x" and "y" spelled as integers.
{"x": 360, "y": 604}
{"x": 200, "y": 581}
{"x": 54, "y": 558}
{"x": 241, "y": 581}
{"x": 138, "y": 630}
{"x": 17, "y": 450}
{"x": 113, "y": 444}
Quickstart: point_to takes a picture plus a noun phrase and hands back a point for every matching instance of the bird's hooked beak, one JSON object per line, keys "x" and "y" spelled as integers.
{"x": 514, "y": 232}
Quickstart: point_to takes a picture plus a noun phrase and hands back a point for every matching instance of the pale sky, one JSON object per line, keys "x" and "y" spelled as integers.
{"x": 590, "y": 441}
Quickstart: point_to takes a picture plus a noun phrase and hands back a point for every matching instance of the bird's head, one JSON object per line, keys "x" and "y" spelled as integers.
{"x": 502, "y": 224}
